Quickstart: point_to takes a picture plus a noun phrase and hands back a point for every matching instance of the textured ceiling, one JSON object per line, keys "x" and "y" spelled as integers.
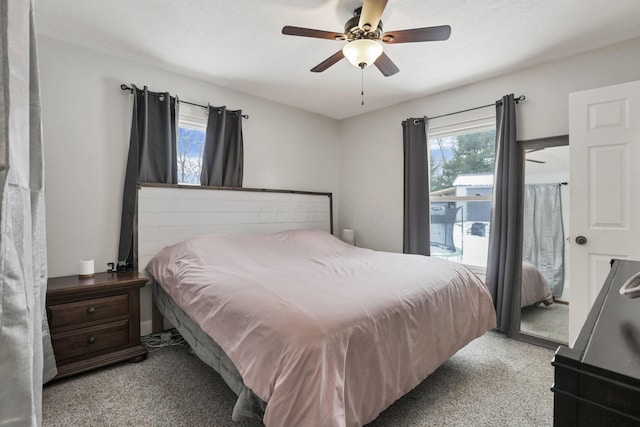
{"x": 238, "y": 44}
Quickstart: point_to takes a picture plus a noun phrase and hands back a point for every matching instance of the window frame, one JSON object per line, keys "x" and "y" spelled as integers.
{"x": 466, "y": 122}
{"x": 193, "y": 117}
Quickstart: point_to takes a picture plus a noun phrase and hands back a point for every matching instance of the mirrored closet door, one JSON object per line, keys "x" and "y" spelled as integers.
{"x": 545, "y": 284}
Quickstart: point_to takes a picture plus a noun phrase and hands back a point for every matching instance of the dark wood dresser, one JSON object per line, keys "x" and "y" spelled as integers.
{"x": 597, "y": 382}
{"x": 95, "y": 322}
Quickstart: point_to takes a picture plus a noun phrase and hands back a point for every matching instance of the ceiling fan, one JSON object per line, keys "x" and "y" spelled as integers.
{"x": 363, "y": 33}
{"x": 532, "y": 150}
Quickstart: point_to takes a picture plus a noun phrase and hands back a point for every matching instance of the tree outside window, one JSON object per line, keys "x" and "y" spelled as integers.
{"x": 189, "y": 147}
{"x": 451, "y": 156}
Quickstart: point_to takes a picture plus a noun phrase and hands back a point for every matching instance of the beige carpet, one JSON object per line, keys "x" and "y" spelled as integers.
{"x": 546, "y": 321}
{"x": 494, "y": 381}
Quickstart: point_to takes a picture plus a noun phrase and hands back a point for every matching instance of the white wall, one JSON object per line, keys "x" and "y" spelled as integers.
{"x": 371, "y": 167}
{"x": 86, "y": 123}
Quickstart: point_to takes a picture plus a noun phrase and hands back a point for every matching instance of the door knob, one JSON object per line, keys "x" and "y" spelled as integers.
{"x": 581, "y": 240}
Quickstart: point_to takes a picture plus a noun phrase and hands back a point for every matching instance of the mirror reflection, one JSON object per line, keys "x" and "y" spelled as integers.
{"x": 545, "y": 282}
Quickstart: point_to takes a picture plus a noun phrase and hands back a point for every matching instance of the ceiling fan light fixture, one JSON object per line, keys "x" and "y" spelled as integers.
{"x": 362, "y": 52}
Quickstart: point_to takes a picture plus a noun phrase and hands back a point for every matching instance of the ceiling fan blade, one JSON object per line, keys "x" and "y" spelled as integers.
{"x": 535, "y": 161}
{"x": 426, "y": 34}
{"x": 386, "y": 65}
{"x": 371, "y": 14}
{"x": 328, "y": 62}
{"x": 308, "y": 32}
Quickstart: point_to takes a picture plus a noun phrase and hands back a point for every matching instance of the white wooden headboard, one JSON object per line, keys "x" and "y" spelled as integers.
{"x": 169, "y": 214}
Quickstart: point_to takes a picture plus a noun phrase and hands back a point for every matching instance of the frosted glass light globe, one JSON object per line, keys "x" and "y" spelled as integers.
{"x": 362, "y": 51}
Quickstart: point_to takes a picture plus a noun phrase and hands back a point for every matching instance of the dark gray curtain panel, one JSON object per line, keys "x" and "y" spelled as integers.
{"x": 223, "y": 156}
{"x": 543, "y": 235}
{"x": 152, "y": 156}
{"x": 416, "y": 187}
{"x": 504, "y": 263}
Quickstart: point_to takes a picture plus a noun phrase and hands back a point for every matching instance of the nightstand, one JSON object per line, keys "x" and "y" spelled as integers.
{"x": 95, "y": 322}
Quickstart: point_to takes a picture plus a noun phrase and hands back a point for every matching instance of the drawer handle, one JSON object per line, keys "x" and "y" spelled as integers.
{"x": 91, "y": 310}
{"x": 91, "y": 340}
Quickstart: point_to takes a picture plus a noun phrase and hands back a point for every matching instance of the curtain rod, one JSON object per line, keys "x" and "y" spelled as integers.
{"x": 559, "y": 184}
{"x": 130, "y": 89}
{"x": 518, "y": 99}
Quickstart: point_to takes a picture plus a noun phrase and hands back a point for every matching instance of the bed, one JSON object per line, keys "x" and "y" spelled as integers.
{"x": 310, "y": 331}
{"x": 535, "y": 289}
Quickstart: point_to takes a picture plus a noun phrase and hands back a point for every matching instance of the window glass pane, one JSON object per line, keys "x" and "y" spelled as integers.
{"x": 190, "y": 146}
{"x": 461, "y": 186}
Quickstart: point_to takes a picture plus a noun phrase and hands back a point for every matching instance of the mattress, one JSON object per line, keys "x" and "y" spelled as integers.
{"x": 325, "y": 333}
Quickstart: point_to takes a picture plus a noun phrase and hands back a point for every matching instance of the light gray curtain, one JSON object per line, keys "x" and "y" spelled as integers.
{"x": 416, "y": 187}
{"x": 152, "y": 156}
{"x": 26, "y": 355}
{"x": 505, "y": 238}
{"x": 543, "y": 235}
{"x": 223, "y": 156}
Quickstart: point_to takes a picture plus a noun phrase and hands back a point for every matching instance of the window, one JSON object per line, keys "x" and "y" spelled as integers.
{"x": 461, "y": 161}
{"x": 192, "y": 125}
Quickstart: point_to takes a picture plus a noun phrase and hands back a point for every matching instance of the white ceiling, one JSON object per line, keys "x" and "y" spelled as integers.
{"x": 238, "y": 43}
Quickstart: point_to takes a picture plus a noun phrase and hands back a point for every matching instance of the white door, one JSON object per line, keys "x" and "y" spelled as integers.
{"x": 604, "y": 141}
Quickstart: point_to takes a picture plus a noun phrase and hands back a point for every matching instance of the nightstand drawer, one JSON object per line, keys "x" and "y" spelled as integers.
{"x": 92, "y": 310}
{"x": 90, "y": 340}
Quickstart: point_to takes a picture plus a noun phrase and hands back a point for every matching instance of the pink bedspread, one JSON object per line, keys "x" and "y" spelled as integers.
{"x": 535, "y": 289}
{"x": 326, "y": 333}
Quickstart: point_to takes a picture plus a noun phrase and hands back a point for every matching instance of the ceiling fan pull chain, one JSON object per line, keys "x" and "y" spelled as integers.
{"x": 362, "y": 84}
